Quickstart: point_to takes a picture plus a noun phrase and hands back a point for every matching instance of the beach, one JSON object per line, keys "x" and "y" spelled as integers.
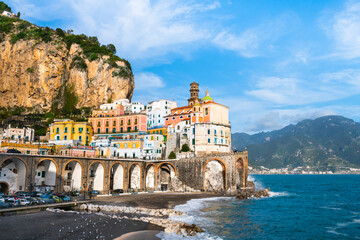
{"x": 90, "y": 225}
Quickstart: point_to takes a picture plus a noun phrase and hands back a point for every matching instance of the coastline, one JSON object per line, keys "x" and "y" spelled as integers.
{"x": 63, "y": 224}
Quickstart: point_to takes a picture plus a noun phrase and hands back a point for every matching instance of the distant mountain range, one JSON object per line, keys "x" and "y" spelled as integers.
{"x": 329, "y": 142}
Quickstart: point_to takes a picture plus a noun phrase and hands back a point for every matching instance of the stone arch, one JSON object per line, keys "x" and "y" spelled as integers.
{"x": 135, "y": 176}
{"x": 14, "y": 172}
{"x": 73, "y": 175}
{"x": 96, "y": 179}
{"x": 150, "y": 178}
{"x": 164, "y": 173}
{"x": 240, "y": 174}
{"x": 215, "y": 175}
{"x": 4, "y": 187}
{"x": 117, "y": 176}
{"x": 46, "y": 172}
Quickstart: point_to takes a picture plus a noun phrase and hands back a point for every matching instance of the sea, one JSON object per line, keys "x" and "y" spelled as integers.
{"x": 300, "y": 207}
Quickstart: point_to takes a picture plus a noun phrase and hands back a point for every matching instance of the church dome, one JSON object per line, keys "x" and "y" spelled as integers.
{"x": 207, "y": 97}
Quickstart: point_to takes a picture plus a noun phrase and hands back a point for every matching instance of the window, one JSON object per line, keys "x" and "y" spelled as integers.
{"x": 157, "y": 132}
{"x": 160, "y": 131}
{"x": 57, "y": 130}
{"x": 167, "y": 119}
{"x": 126, "y": 145}
{"x": 80, "y": 138}
{"x": 73, "y": 130}
{"x": 136, "y": 128}
{"x": 221, "y": 132}
{"x": 215, "y": 132}
{"x": 107, "y": 123}
{"x": 215, "y": 140}
{"x": 114, "y": 130}
{"x": 135, "y": 120}
{"x": 193, "y": 141}
{"x": 98, "y": 131}
{"x": 87, "y": 130}
{"x": 134, "y": 145}
{"x": 43, "y": 174}
{"x": 65, "y": 137}
{"x": 206, "y": 111}
{"x": 65, "y": 131}
{"x": 173, "y": 118}
{"x": 165, "y": 107}
{"x": 80, "y": 130}
{"x": 193, "y": 130}
{"x": 87, "y": 138}
{"x": 98, "y": 124}
{"x": 121, "y": 129}
{"x": 208, "y": 131}
{"x": 114, "y": 123}
{"x": 129, "y": 121}
{"x": 122, "y": 122}
{"x": 58, "y": 137}
{"x": 129, "y": 129}
{"x": 181, "y": 117}
{"x": 107, "y": 130}
{"x": 208, "y": 140}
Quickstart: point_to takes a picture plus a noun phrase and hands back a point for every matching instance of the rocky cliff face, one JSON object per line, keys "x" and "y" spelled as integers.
{"x": 33, "y": 74}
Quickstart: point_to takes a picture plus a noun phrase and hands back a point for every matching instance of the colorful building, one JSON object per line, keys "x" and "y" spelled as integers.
{"x": 114, "y": 123}
{"x": 153, "y": 146}
{"x": 203, "y": 125}
{"x": 131, "y": 148}
{"x": 18, "y": 134}
{"x": 68, "y": 132}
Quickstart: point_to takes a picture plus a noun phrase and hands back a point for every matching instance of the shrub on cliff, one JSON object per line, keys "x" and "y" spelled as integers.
{"x": 172, "y": 155}
{"x": 4, "y": 7}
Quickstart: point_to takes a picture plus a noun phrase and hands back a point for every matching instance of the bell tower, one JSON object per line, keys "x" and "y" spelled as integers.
{"x": 194, "y": 93}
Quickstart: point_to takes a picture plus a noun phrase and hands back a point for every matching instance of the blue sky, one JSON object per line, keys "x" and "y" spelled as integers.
{"x": 272, "y": 62}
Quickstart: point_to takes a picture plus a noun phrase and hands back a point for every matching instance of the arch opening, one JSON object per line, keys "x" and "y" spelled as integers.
{"x": 72, "y": 176}
{"x": 45, "y": 176}
{"x": 150, "y": 178}
{"x": 164, "y": 175}
{"x": 96, "y": 177}
{"x": 214, "y": 176}
{"x": 4, "y": 187}
{"x": 135, "y": 176}
{"x": 13, "y": 174}
{"x": 117, "y": 177}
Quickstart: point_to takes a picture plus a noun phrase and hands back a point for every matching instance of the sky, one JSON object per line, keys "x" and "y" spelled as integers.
{"x": 273, "y": 63}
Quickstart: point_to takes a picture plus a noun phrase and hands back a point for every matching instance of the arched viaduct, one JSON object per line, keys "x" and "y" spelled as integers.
{"x": 19, "y": 172}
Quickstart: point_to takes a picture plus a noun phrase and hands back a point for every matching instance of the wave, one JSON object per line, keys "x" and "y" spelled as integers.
{"x": 195, "y": 215}
{"x": 257, "y": 182}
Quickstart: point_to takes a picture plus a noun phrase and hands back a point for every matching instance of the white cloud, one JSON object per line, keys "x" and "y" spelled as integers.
{"x": 148, "y": 81}
{"x": 344, "y": 28}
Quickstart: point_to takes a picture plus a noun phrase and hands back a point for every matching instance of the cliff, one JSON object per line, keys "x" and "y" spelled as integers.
{"x": 40, "y": 66}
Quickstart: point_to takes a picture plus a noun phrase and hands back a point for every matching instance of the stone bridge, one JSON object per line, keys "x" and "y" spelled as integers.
{"x": 21, "y": 172}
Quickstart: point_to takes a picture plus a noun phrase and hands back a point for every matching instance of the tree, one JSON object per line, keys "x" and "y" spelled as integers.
{"x": 112, "y": 48}
{"x": 172, "y": 155}
{"x": 60, "y": 32}
{"x": 18, "y": 15}
{"x": 4, "y": 7}
{"x": 185, "y": 148}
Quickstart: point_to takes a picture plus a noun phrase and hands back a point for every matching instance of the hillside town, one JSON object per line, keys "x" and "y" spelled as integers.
{"x": 123, "y": 129}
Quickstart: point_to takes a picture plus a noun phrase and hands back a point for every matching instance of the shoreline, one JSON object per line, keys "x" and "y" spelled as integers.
{"x": 61, "y": 224}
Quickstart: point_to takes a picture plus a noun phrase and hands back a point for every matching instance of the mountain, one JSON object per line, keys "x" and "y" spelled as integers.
{"x": 42, "y": 69}
{"x": 327, "y": 142}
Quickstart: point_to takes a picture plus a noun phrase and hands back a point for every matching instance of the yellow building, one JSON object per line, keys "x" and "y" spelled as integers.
{"x": 130, "y": 148}
{"x": 162, "y": 131}
{"x": 68, "y": 132}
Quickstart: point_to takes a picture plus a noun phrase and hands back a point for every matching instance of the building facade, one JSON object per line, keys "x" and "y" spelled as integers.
{"x": 68, "y": 132}
{"x": 19, "y": 134}
{"x": 157, "y": 110}
{"x": 204, "y": 125}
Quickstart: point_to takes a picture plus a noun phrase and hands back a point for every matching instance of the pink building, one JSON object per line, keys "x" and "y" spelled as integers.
{"x": 114, "y": 122}
{"x": 80, "y": 151}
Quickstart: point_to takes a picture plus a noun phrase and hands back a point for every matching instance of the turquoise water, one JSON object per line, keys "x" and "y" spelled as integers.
{"x": 301, "y": 207}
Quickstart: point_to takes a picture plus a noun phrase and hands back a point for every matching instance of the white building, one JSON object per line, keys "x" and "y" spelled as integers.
{"x": 133, "y": 107}
{"x": 19, "y": 134}
{"x": 8, "y": 14}
{"x": 156, "y": 111}
{"x": 153, "y": 146}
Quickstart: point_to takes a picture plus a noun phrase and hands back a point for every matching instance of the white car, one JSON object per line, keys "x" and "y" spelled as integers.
{"x": 24, "y": 202}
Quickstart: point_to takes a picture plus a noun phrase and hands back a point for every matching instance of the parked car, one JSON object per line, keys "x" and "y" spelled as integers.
{"x": 65, "y": 198}
{"x": 12, "y": 198}
{"x": 94, "y": 192}
{"x": 2, "y": 199}
{"x": 47, "y": 200}
{"x": 12, "y": 203}
{"x": 13, "y": 151}
{"x": 75, "y": 193}
{"x": 23, "y": 196}
{"x": 47, "y": 195}
{"x": 34, "y": 201}
{"x": 24, "y": 202}
{"x": 118, "y": 191}
{"x": 4, "y": 205}
{"x": 1, "y": 194}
